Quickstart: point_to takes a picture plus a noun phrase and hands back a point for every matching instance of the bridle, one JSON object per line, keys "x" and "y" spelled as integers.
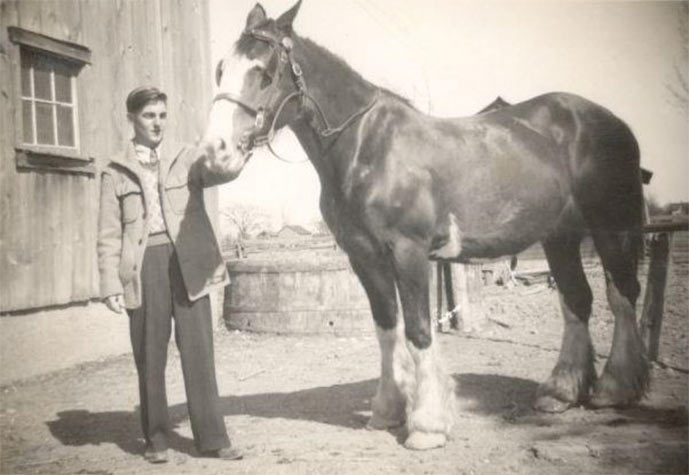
{"x": 258, "y": 135}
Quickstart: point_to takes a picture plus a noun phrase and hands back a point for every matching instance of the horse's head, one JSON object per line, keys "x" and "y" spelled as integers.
{"x": 257, "y": 81}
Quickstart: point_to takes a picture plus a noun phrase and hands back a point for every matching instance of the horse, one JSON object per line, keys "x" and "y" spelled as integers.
{"x": 400, "y": 188}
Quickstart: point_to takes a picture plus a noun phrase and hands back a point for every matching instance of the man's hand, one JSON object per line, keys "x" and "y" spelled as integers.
{"x": 115, "y": 303}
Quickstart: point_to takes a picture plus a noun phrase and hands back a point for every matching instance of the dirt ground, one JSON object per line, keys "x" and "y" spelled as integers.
{"x": 298, "y": 404}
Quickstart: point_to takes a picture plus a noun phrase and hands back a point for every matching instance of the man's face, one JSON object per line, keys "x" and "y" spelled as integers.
{"x": 149, "y": 123}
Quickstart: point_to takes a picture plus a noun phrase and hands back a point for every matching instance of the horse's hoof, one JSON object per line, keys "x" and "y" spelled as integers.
{"x": 608, "y": 392}
{"x": 377, "y": 422}
{"x": 602, "y": 399}
{"x": 551, "y": 404}
{"x": 425, "y": 440}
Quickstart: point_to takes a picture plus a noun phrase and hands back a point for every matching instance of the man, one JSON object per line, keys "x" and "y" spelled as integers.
{"x": 158, "y": 258}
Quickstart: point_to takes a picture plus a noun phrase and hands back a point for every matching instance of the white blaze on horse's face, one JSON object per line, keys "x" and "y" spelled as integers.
{"x": 224, "y": 127}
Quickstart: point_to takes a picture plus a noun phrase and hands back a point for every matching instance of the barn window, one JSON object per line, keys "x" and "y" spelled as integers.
{"x": 49, "y": 113}
{"x": 48, "y": 121}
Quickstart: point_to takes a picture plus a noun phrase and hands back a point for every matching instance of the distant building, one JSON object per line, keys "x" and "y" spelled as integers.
{"x": 292, "y": 231}
{"x": 678, "y": 208}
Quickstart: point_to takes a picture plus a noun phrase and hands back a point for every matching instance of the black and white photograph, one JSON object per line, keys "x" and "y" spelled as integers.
{"x": 366, "y": 236}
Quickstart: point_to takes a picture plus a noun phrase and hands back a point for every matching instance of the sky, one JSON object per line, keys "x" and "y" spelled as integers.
{"x": 452, "y": 58}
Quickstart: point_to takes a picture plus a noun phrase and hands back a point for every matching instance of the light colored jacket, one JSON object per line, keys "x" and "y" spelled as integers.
{"x": 123, "y": 223}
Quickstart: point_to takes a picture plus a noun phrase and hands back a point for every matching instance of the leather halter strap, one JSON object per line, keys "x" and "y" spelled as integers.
{"x": 252, "y": 138}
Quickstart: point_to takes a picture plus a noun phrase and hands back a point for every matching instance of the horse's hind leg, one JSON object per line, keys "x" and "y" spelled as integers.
{"x": 397, "y": 373}
{"x": 574, "y": 372}
{"x": 625, "y": 377}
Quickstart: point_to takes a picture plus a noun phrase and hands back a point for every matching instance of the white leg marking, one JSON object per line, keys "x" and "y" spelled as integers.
{"x": 396, "y": 380}
{"x": 432, "y": 408}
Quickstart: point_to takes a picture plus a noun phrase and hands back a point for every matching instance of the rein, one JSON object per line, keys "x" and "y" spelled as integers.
{"x": 251, "y": 138}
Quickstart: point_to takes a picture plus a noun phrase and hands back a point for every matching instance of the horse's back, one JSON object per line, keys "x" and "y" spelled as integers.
{"x": 600, "y": 153}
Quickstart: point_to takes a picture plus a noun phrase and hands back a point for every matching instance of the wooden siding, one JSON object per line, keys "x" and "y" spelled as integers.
{"x": 48, "y": 218}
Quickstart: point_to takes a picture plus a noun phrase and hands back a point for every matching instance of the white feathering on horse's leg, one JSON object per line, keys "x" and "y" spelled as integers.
{"x": 388, "y": 405}
{"x": 431, "y": 412}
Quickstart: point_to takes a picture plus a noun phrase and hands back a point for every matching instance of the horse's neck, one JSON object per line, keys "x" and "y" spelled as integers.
{"x": 340, "y": 92}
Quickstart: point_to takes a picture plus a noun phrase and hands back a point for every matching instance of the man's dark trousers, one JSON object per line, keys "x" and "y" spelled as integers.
{"x": 164, "y": 295}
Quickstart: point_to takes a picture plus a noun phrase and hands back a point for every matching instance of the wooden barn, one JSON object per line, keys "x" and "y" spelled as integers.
{"x": 66, "y": 67}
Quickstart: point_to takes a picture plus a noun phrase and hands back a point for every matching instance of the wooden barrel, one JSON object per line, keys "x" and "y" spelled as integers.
{"x": 282, "y": 295}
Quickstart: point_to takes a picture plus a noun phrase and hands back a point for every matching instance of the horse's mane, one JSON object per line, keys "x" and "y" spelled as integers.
{"x": 344, "y": 65}
{"x": 244, "y": 44}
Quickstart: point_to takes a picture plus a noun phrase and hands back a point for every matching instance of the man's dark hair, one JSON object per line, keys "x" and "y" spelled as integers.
{"x": 140, "y": 96}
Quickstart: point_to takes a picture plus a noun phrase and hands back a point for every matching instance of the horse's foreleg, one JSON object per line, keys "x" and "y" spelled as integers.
{"x": 430, "y": 410}
{"x": 397, "y": 373}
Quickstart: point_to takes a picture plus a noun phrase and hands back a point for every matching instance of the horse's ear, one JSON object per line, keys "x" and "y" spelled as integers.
{"x": 256, "y": 16}
{"x": 286, "y": 19}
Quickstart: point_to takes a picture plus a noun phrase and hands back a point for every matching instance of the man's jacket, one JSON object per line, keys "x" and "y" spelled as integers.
{"x": 123, "y": 223}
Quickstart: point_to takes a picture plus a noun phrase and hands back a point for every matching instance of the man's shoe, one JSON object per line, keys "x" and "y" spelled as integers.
{"x": 226, "y": 453}
{"x": 156, "y": 456}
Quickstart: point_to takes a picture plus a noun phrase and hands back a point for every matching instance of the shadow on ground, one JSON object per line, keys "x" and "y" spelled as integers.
{"x": 345, "y": 405}
{"x": 122, "y": 428}
{"x": 613, "y": 434}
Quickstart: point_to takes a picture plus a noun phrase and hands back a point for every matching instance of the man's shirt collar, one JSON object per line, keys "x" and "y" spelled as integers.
{"x": 146, "y": 155}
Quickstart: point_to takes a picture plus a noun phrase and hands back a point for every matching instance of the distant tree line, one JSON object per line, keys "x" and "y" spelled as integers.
{"x": 656, "y": 209}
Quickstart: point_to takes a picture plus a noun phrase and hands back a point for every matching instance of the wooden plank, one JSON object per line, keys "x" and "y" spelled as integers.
{"x": 95, "y": 108}
{"x": 51, "y": 45}
{"x": 45, "y": 198}
{"x": 8, "y": 16}
{"x": 21, "y": 241}
{"x": 86, "y": 281}
{"x": 186, "y": 68}
{"x": 654, "y": 300}
{"x": 30, "y": 15}
{"x": 30, "y": 160}
{"x": 98, "y": 113}
{"x": 62, "y": 19}
{"x": 27, "y": 228}
{"x": 142, "y": 39}
{"x": 61, "y": 252}
{"x": 680, "y": 224}
{"x": 438, "y": 295}
{"x": 198, "y": 79}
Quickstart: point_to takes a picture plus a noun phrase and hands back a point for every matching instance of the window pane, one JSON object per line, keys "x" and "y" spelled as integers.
{"x": 65, "y": 126}
{"x": 44, "y": 124}
{"x": 26, "y": 73}
{"x": 41, "y": 77}
{"x": 27, "y": 121}
{"x": 63, "y": 82}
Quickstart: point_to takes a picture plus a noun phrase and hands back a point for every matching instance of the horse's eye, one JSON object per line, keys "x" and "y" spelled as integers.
{"x": 266, "y": 78}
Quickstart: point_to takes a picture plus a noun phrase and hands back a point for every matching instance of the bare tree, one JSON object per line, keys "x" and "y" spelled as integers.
{"x": 247, "y": 220}
{"x": 319, "y": 227}
{"x": 678, "y": 84}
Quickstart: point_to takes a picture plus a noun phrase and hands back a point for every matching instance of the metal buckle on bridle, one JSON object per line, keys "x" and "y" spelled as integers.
{"x": 287, "y": 43}
{"x": 260, "y": 120}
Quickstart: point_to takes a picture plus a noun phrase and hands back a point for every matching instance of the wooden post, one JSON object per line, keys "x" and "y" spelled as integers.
{"x": 658, "y": 270}
{"x": 439, "y": 295}
{"x": 450, "y": 292}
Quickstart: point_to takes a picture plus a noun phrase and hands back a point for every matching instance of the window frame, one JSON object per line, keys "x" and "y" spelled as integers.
{"x": 55, "y": 157}
{"x": 53, "y": 102}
